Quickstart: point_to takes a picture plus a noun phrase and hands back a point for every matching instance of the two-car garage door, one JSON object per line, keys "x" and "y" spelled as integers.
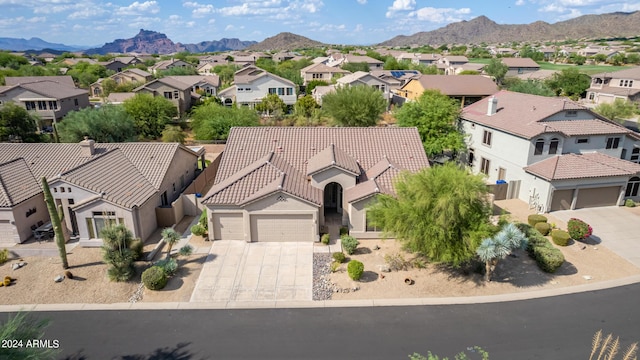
{"x": 228, "y": 226}
{"x": 282, "y": 227}
{"x": 592, "y": 197}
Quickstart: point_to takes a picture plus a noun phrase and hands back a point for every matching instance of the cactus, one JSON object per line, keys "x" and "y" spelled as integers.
{"x": 7, "y": 282}
{"x": 56, "y": 216}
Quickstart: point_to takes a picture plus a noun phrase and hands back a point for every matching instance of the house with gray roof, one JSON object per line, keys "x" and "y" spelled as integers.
{"x": 251, "y": 84}
{"x": 519, "y": 66}
{"x": 128, "y": 76}
{"x": 289, "y": 183}
{"x": 50, "y": 98}
{"x": 552, "y": 153}
{"x": 172, "y": 89}
{"x": 320, "y": 71}
{"x": 608, "y": 86}
{"x": 96, "y": 184}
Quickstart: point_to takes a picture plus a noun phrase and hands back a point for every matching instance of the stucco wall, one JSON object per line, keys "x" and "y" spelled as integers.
{"x": 23, "y": 222}
{"x": 357, "y": 216}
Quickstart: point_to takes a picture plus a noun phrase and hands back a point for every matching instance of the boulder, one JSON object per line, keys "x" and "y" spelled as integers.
{"x": 384, "y": 268}
{"x": 58, "y": 278}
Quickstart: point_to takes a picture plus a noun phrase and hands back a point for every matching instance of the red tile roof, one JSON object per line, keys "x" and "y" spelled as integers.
{"x": 582, "y": 166}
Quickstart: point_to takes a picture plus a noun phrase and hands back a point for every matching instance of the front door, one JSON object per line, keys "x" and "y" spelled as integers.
{"x": 502, "y": 173}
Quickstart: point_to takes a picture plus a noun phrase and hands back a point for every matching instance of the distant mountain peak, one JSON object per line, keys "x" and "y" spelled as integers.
{"x": 285, "y": 41}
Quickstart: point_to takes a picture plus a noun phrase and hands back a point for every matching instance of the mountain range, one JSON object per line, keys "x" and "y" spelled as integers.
{"x": 16, "y": 44}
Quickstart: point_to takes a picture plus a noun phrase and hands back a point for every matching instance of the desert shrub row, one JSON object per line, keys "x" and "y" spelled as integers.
{"x": 536, "y": 218}
{"x": 560, "y": 237}
{"x": 548, "y": 258}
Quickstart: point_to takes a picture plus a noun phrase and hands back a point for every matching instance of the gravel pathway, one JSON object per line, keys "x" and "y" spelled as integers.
{"x": 322, "y": 287}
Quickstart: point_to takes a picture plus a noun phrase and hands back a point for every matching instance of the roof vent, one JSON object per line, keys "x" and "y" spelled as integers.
{"x": 492, "y": 106}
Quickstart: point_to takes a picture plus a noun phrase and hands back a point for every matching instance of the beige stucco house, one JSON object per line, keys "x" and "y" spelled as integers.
{"x": 608, "y": 86}
{"x": 321, "y": 72}
{"x": 287, "y": 184}
{"x": 178, "y": 92}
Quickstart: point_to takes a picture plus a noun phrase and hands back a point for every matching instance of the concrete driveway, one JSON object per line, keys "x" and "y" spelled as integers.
{"x": 240, "y": 271}
{"x": 618, "y": 228}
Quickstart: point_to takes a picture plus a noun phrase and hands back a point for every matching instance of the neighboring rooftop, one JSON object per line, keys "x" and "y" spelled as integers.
{"x": 580, "y": 166}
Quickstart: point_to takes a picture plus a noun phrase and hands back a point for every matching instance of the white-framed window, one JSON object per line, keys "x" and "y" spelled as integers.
{"x": 168, "y": 95}
{"x": 369, "y": 224}
{"x": 485, "y": 166}
{"x": 613, "y": 142}
{"x": 486, "y": 137}
{"x": 633, "y": 186}
{"x": 289, "y": 91}
{"x": 472, "y": 156}
{"x": 272, "y": 90}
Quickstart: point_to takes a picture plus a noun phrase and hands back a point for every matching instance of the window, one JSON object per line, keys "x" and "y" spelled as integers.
{"x": 62, "y": 189}
{"x": 272, "y": 90}
{"x": 592, "y": 96}
{"x": 632, "y": 186}
{"x": 612, "y": 143}
{"x": 289, "y": 91}
{"x": 100, "y": 220}
{"x": 71, "y": 202}
{"x": 553, "y": 146}
{"x": 486, "y": 138}
{"x": 164, "y": 201}
{"x": 53, "y": 105}
{"x": 30, "y": 105}
{"x": 484, "y": 166}
{"x": 635, "y": 155}
{"x": 369, "y": 224}
{"x": 176, "y": 95}
{"x": 539, "y": 147}
{"x": 623, "y": 154}
{"x": 472, "y": 157}
{"x": 42, "y": 105}
{"x": 168, "y": 95}
{"x": 280, "y": 91}
{"x": 75, "y": 102}
{"x": 174, "y": 187}
{"x": 571, "y": 113}
{"x": 582, "y": 140}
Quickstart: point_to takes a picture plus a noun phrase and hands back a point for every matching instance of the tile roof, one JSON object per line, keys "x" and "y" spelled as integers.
{"x": 454, "y": 85}
{"x": 297, "y": 151}
{"x": 526, "y": 116}
{"x": 632, "y": 73}
{"x": 49, "y": 89}
{"x": 62, "y": 80}
{"x": 320, "y": 67}
{"x": 541, "y": 74}
{"x": 613, "y": 90}
{"x": 251, "y": 73}
{"x": 582, "y": 166}
{"x": 520, "y": 63}
{"x": 377, "y": 180}
{"x": 17, "y": 183}
{"x": 193, "y": 80}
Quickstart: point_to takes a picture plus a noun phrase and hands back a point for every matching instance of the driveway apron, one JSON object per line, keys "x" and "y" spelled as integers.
{"x": 269, "y": 271}
{"x": 616, "y": 227}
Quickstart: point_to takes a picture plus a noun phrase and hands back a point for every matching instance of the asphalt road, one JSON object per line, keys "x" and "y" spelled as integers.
{"x": 551, "y": 328}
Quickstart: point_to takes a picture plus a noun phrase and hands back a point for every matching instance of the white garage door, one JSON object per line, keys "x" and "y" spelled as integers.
{"x": 287, "y": 227}
{"x": 6, "y": 232}
{"x": 605, "y": 196}
{"x": 228, "y": 227}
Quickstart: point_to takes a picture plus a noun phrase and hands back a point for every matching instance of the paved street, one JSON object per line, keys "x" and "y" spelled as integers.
{"x": 617, "y": 228}
{"x": 240, "y": 271}
{"x": 559, "y": 327}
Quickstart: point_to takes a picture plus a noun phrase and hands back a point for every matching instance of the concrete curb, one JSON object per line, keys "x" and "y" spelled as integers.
{"x": 275, "y": 304}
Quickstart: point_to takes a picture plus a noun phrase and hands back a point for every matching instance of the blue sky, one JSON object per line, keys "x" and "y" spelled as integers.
{"x": 94, "y": 22}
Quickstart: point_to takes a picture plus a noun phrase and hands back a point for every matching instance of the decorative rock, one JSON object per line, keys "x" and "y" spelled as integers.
{"x": 376, "y": 247}
{"x": 587, "y": 277}
{"x": 384, "y": 268}
{"x": 15, "y": 266}
{"x": 22, "y": 264}
{"x": 58, "y": 278}
{"x": 355, "y": 287}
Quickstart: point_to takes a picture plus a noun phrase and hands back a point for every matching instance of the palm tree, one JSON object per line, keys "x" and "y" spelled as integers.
{"x": 171, "y": 237}
{"x": 491, "y": 250}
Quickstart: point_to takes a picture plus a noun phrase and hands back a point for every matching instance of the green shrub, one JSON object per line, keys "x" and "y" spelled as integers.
{"x": 396, "y": 262}
{"x": 198, "y": 230}
{"x": 560, "y": 237}
{"x": 355, "y": 269}
{"x": 349, "y": 244}
{"x": 138, "y": 248}
{"x": 202, "y": 221}
{"x": 543, "y": 228}
{"x": 334, "y": 266}
{"x": 344, "y": 230}
{"x": 339, "y": 256}
{"x": 578, "y": 229}
{"x": 325, "y": 239}
{"x": 185, "y": 250}
{"x": 535, "y": 241}
{"x": 169, "y": 266}
{"x": 536, "y": 218}
{"x": 549, "y": 259}
{"x": 419, "y": 263}
{"x": 4, "y": 256}
{"x": 154, "y": 278}
{"x": 629, "y": 203}
{"x": 120, "y": 273}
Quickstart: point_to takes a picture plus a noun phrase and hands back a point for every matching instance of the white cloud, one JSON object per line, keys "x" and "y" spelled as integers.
{"x": 233, "y": 28}
{"x": 519, "y": 2}
{"x": 400, "y": 5}
{"x": 137, "y": 8}
{"x": 268, "y": 9}
{"x": 87, "y": 13}
{"x": 362, "y": 2}
{"x": 439, "y": 15}
{"x": 358, "y": 28}
{"x": 143, "y": 21}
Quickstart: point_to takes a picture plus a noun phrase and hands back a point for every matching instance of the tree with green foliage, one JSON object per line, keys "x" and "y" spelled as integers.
{"x": 359, "y": 105}
{"x": 11, "y": 61}
{"x": 23, "y": 328}
{"x": 170, "y": 237}
{"x": 633, "y": 58}
{"x": 492, "y": 250}
{"x": 117, "y": 252}
{"x": 312, "y": 85}
{"x": 177, "y": 71}
{"x": 483, "y": 355}
{"x": 528, "y": 52}
{"x": 469, "y": 72}
{"x": 213, "y": 122}
{"x": 305, "y": 106}
{"x": 272, "y": 105}
{"x": 56, "y": 216}
{"x": 150, "y": 114}
{"x": 569, "y": 82}
{"x": 225, "y": 73}
{"x": 86, "y": 74}
{"x": 440, "y": 212}
{"x": 574, "y": 58}
{"x": 173, "y": 133}
{"x": 497, "y": 69}
{"x": 532, "y": 87}
{"x": 357, "y": 66}
{"x": 619, "y": 110}
{"x": 480, "y": 53}
{"x": 17, "y": 125}
{"x": 435, "y": 116}
{"x": 109, "y": 123}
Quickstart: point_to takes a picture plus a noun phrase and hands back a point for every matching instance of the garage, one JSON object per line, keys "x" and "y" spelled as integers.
{"x": 561, "y": 200}
{"x": 282, "y": 227}
{"x": 228, "y": 226}
{"x": 6, "y": 232}
{"x": 595, "y": 197}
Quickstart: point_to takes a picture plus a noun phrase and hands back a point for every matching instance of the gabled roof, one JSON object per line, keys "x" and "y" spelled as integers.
{"x": 193, "y": 80}
{"x": 357, "y": 77}
{"x": 520, "y": 63}
{"x": 527, "y": 116}
{"x": 169, "y": 81}
{"x": 332, "y": 156}
{"x": 251, "y": 73}
{"x": 17, "y": 183}
{"x": 632, "y": 73}
{"x": 320, "y": 67}
{"x": 582, "y": 166}
{"x": 455, "y": 58}
{"x": 62, "y": 80}
{"x": 49, "y": 89}
{"x": 458, "y": 85}
{"x": 377, "y": 180}
{"x": 136, "y": 71}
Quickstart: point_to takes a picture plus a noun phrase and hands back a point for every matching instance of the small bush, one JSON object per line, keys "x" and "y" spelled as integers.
{"x": 202, "y": 221}
{"x": 335, "y": 266}
{"x": 154, "y": 278}
{"x": 549, "y": 259}
{"x": 121, "y": 273}
{"x": 629, "y": 203}
{"x": 419, "y": 263}
{"x": 560, "y": 237}
{"x": 543, "y": 228}
{"x": 4, "y": 256}
{"x": 536, "y": 218}
{"x": 339, "y": 256}
{"x": 169, "y": 266}
{"x": 349, "y": 244}
{"x": 396, "y": 262}
{"x": 355, "y": 269}
{"x": 536, "y": 241}
{"x": 578, "y": 229}
{"x": 325, "y": 239}
{"x": 138, "y": 248}
{"x": 7, "y": 282}
{"x": 344, "y": 230}
{"x": 198, "y": 230}
{"x": 185, "y": 250}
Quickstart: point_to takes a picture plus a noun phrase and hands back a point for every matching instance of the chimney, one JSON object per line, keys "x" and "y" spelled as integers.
{"x": 492, "y": 106}
{"x": 87, "y": 148}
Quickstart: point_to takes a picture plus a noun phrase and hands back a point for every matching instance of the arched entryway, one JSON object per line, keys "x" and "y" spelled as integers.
{"x": 333, "y": 200}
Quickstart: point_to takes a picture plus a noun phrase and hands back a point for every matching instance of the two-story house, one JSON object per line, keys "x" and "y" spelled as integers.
{"x": 452, "y": 64}
{"x": 252, "y": 84}
{"x": 163, "y": 65}
{"x": 466, "y": 89}
{"x": 338, "y": 59}
{"x": 419, "y": 58}
{"x": 366, "y": 79}
{"x": 608, "y": 86}
{"x": 200, "y": 84}
{"x": 519, "y": 66}
{"x": 49, "y": 98}
{"x": 553, "y": 153}
{"x": 176, "y": 91}
{"x": 321, "y": 72}
{"x": 128, "y": 76}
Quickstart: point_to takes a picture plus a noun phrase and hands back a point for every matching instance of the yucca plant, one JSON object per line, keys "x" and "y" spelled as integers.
{"x": 491, "y": 250}
{"x": 607, "y": 348}
{"x": 171, "y": 237}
